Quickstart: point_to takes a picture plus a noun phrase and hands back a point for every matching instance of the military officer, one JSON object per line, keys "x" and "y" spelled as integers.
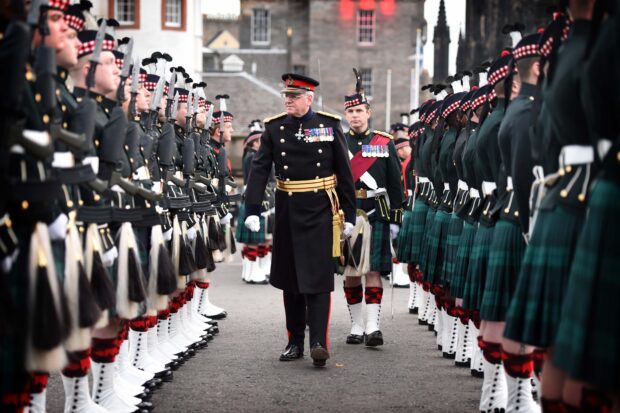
{"x": 379, "y": 194}
{"x": 314, "y": 183}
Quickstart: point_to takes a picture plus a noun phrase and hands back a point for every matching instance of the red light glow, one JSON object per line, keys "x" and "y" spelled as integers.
{"x": 347, "y": 10}
{"x": 388, "y": 7}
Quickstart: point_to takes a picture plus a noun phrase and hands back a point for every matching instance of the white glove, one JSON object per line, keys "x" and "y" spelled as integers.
{"x": 109, "y": 256}
{"x": 58, "y": 228}
{"x": 253, "y": 223}
{"x": 394, "y": 229}
{"x": 168, "y": 234}
{"x": 225, "y": 220}
{"x": 7, "y": 262}
{"x": 348, "y": 229}
{"x": 191, "y": 234}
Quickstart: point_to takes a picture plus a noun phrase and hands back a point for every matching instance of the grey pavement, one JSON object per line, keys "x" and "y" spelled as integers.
{"x": 240, "y": 371}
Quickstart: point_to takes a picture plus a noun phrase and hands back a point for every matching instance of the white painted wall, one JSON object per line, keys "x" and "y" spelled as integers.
{"x": 185, "y": 47}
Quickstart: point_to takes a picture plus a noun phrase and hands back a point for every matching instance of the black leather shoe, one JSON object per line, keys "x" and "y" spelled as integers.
{"x": 422, "y": 322}
{"x": 319, "y": 355}
{"x": 355, "y": 339}
{"x": 451, "y": 356}
{"x": 218, "y": 316}
{"x": 165, "y": 375}
{"x": 374, "y": 339}
{"x": 413, "y": 310}
{"x": 462, "y": 363}
{"x": 292, "y": 352}
{"x": 145, "y": 406}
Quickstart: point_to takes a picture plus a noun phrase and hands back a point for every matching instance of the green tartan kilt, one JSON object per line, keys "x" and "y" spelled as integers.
{"x": 477, "y": 270}
{"x": 428, "y": 226}
{"x": 463, "y": 251}
{"x": 505, "y": 256}
{"x": 455, "y": 228}
{"x": 436, "y": 247}
{"x": 588, "y": 336}
{"x": 244, "y": 235}
{"x": 380, "y": 253}
{"x": 534, "y": 312}
{"x": 418, "y": 223}
{"x": 405, "y": 240}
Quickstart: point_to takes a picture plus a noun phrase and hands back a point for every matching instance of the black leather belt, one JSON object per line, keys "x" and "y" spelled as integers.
{"x": 76, "y": 175}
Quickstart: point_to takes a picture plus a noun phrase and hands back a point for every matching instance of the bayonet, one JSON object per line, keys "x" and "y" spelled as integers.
{"x": 127, "y": 60}
{"x": 172, "y": 83}
{"x": 209, "y": 118}
{"x": 188, "y": 114}
{"x": 158, "y": 93}
{"x": 120, "y": 94}
{"x": 135, "y": 80}
{"x": 175, "y": 105}
{"x": 94, "y": 58}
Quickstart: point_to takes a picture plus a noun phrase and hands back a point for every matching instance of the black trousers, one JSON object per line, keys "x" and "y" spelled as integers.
{"x": 317, "y": 308}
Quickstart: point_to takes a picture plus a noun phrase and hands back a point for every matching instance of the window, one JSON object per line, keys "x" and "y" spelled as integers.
{"x": 261, "y": 27}
{"x": 366, "y": 27}
{"x": 173, "y": 14}
{"x": 299, "y": 69}
{"x": 126, "y": 12}
{"x": 366, "y": 75}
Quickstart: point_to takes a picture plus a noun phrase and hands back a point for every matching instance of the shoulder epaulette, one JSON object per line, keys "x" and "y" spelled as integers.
{"x": 387, "y": 135}
{"x": 330, "y": 115}
{"x": 279, "y": 115}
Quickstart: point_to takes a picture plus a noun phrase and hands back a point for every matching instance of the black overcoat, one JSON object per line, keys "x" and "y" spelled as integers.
{"x": 302, "y": 248}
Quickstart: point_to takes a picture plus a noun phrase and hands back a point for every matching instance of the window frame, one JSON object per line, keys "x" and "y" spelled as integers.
{"x": 373, "y": 28}
{"x": 367, "y": 84}
{"x": 136, "y": 14}
{"x": 252, "y": 23}
{"x": 164, "y": 14}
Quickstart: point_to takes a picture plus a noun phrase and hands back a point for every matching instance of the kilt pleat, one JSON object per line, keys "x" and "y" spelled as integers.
{"x": 430, "y": 218}
{"x": 588, "y": 337}
{"x": 463, "y": 252}
{"x": 505, "y": 256}
{"x": 418, "y": 224}
{"x": 380, "y": 252}
{"x": 477, "y": 271}
{"x": 455, "y": 228}
{"x": 436, "y": 247}
{"x": 534, "y": 312}
{"x": 244, "y": 235}
{"x": 405, "y": 238}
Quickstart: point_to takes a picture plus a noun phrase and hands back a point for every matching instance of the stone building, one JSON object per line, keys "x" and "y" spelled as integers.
{"x": 173, "y": 26}
{"x": 485, "y": 20}
{"x": 323, "y": 39}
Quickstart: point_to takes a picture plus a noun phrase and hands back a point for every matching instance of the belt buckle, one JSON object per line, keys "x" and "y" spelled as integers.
{"x": 361, "y": 193}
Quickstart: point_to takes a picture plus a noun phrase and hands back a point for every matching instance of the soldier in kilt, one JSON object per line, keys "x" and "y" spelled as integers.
{"x": 403, "y": 250}
{"x": 447, "y": 179}
{"x": 588, "y": 334}
{"x": 508, "y": 245}
{"x": 252, "y": 272}
{"x": 422, "y": 212}
{"x": 470, "y": 213}
{"x": 534, "y": 313}
{"x": 379, "y": 193}
{"x": 455, "y": 230}
{"x": 400, "y": 132}
{"x": 492, "y": 175}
